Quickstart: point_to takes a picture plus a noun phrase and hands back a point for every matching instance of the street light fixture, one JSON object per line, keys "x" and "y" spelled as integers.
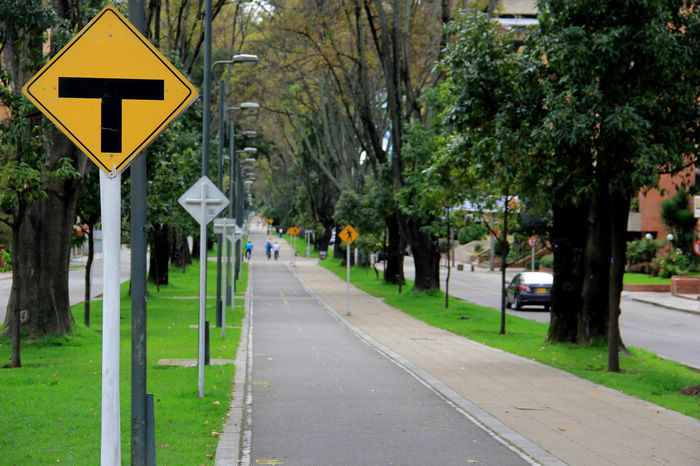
{"x": 238, "y": 58}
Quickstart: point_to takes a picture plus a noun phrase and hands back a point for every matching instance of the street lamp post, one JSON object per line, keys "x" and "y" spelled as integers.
{"x": 239, "y": 58}
{"x": 239, "y": 200}
{"x": 230, "y": 290}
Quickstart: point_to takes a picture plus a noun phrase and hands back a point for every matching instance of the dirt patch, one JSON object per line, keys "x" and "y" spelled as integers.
{"x": 691, "y": 391}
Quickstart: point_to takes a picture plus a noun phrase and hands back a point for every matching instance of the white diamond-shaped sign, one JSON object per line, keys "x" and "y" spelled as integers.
{"x": 232, "y": 231}
{"x": 224, "y": 223}
{"x": 203, "y": 195}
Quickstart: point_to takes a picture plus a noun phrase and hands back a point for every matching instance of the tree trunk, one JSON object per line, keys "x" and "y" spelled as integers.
{"x": 160, "y": 242}
{"x": 426, "y": 258}
{"x": 393, "y": 271}
{"x": 42, "y": 229}
{"x": 449, "y": 264}
{"x": 88, "y": 272}
{"x": 180, "y": 252}
{"x": 568, "y": 237}
{"x": 41, "y": 240}
{"x": 594, "y": 315}
{"x": 14, "y": 324}
{"x": 338, "y": 251}
{"x": 195, "y": 248}
{"x": 619, "y": 211}
{"x": 323, "y": 241}
{"x": 505, "y": 248}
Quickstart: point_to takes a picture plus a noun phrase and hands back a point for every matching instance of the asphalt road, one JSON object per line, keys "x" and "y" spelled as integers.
{"x": 321, "y": 396}
{"x": 669, "y": 333}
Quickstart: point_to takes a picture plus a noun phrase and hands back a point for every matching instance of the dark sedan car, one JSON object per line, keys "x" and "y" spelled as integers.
{"x": 530, "y": 288}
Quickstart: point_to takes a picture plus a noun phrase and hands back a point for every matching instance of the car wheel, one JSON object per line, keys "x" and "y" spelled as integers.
{"x": 516, "y": 303}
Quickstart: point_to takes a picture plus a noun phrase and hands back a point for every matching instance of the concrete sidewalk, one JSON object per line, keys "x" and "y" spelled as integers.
{"x": 683, "y": 303}
{"x": 553, "y": 416}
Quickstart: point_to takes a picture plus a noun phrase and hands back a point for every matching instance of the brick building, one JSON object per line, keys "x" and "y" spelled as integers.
{"x": 648, "y": 218}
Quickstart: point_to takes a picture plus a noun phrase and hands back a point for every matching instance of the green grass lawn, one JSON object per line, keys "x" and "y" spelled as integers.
{"x": 642, "y": 278}
{"x": 643, "y": 375}
{"x": 300, "y": 244}
{"x": 51, "y": 406}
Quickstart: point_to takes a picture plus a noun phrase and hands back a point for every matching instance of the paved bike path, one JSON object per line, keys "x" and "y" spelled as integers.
{"x": 322, "y": 396}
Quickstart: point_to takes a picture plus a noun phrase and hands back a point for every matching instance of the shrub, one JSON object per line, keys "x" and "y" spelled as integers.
{"x": 673, "y": 262}
{"x": 642, "y": 250}
{"x": 547, "y": 261}
{"x": 634, "y": 205}
{"x": 5, "y": 260}
{"x": 680, "y": 220}
{"x": 472, "y": 232}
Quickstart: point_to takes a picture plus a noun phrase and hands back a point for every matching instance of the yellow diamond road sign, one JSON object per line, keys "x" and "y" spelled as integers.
{"x": 110, "y": 91}
{"x": 348, "y": 234}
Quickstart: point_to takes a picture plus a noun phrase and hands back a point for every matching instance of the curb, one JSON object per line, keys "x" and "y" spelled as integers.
{"x": 229, "y": 446}
{"x": 666, "y": 306}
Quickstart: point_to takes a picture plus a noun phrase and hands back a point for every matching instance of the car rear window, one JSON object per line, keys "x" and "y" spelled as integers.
{"x": 541, "y": 278}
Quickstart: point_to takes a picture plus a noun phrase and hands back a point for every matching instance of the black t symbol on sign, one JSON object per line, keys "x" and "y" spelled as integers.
{"x": 111, "y": 92}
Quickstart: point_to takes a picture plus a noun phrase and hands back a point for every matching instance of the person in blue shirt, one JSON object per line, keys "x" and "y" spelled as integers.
{"x": 248, "y": 249}
{"x": 268, "y": 248}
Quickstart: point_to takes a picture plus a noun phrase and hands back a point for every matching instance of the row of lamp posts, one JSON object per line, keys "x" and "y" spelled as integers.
{"x": 236, "y": 205}
{"x": 143, "y": 449}
{"x": 235, "y": 195}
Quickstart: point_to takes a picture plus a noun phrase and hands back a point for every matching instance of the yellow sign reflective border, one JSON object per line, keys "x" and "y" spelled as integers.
{"x": 110, "y": 91}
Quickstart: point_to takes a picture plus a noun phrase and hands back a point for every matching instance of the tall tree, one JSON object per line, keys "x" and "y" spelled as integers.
{"x": 377, "y": 57}
{"x": 41, "y": 170}
{"x": 621, "y": 98}
{"x": 491, "y": 94}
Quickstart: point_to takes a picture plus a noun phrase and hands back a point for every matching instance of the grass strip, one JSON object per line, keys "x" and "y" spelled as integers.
{"x": 300, "y": 245}
{"x": 643, "y": 375}
{"x": 644, "y": 279}
{"x": 51, "y": 406}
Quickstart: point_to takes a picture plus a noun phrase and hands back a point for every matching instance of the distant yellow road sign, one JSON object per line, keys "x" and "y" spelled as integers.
{"x": 348, "y": 234}
{"x": 294, "y": 231}
{"x": 110, "y": 91}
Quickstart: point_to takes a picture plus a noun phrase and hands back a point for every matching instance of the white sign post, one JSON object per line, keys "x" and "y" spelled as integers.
{"x": 204, "y": 208}
{"x": 308, "y": 242}
{"x": 87, "y": 100}
{"x": 348, "y": 235}
{"x": 110, "y": 200}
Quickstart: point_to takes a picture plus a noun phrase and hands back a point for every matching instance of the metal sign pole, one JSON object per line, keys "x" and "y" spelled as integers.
{"x": 202, "y": 290}
{"x": 110, "y": 203}
{"x": 226, "y": 288}
{"x": 211, "y": 201}
{"x": 347, "y": 289}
